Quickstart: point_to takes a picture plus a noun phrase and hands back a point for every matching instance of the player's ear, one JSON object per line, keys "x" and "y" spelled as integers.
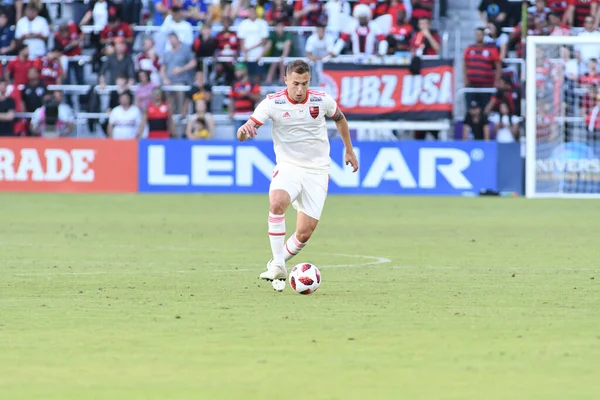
{"x": 285, "y": 78}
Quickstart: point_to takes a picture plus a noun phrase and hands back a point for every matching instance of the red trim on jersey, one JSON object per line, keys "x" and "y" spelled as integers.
{"x": 256, "y": 121}
{"x": 276, "y": 94}
{"x": 276, "y": 234}
{"x": 295, "y": 102}
{"x": 316, "y": 92}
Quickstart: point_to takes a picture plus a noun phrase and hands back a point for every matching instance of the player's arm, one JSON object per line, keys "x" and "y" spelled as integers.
{"x": 248, "y": 130}
{"x": 341, "y": 125}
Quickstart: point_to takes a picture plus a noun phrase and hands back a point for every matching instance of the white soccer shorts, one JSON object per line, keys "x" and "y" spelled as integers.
{"x": 307, "y": 190}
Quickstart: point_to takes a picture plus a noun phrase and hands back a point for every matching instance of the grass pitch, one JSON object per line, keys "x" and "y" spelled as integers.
{"x": 157, "y": 297}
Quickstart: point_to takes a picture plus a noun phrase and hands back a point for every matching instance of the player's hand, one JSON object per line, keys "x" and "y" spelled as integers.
{"x": 350, "y": 159}
{"x": 247, "y": 131}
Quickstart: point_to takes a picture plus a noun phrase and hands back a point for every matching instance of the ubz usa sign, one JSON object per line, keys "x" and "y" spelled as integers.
{"x": 385, "y": 168}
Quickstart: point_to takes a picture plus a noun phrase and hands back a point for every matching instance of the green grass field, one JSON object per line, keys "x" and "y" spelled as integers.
{"x": 157, "y": 297}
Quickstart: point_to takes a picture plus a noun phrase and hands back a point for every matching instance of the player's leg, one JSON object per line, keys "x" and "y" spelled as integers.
{"x": 284, "y": 189}
{"x": 310, "y": 205}
{"x": 305, "y": 226}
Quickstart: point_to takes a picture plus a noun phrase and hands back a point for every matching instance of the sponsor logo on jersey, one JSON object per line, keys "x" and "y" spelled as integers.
{"x": 286, "y": 115}
{"x": 314, "y": 99}
{"x": 314, "y": 111}
{"x": 280, "y": 101}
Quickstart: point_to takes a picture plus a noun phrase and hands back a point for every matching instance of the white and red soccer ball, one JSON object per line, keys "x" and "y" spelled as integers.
{"x": 305, "y": 278}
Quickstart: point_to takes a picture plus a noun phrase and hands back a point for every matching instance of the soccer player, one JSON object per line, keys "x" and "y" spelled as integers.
{"x": 301, "y": 174}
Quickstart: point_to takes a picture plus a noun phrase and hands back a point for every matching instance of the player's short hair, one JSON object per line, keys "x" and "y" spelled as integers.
{"x": 298, "y": 66}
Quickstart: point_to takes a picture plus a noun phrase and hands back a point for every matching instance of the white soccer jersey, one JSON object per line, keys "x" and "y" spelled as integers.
{"x": 299, "y": 129}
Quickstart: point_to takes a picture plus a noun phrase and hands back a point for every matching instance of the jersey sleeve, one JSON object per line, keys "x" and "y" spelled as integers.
{"x": 331, "y": 107}
{"x": 262, "y": 112}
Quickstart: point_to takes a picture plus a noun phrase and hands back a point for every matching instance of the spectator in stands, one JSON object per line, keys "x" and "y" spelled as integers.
{"x": 161, "y": 10}
{"x": 199, "y": 91}
{"x": 591, "y": 77}
{"x": 498, "y": 39}
{"x": 177, "y": 69}
{"x": 578, "y": 11}
{"x": 366, "y": 39}
{"x": 308, "y": 12}
{"x": 334, "y": 10}
{"x": 481, "y": 68}
{"x": 122, "y": 86}
{"x": 588, "y": 101}
{"x": 8, "y": 44}
{"x": 559, "y": 7}
{"x": 494, "y": 11}
{"x": 51, "y": 72}
{"x": 143, "y": 91}
{"x": 201, "y": 124}
{"x": 195, "y": 11}
{"x": 115, "y": 28}
{"x": 281, "y": 12}
{"x": 243, "y": 97}
{"x": 118, "y": 63}
{"x": 506, "y": 124}
{"x": 124, "y": 121}
{"x": 507, "y": 93}
{"x": 157, "y": 118}
{"x": 476, "y": 125}
{"x": 318, "y": 46}
{"x": 69, "y": 40}
{"x": 253, "y": 34}
{"x": 32, "y": 95}
{"x": 556, "y": 27}
{"x": 17, "y": 69}
{"x": 175, "y": 23}
{"x": 40, "y": 5}
{"x": 421, "y": 9}
{"x": 34, "y": 31}
{"x": 400, "y": 36}
{"x": 228, "y": 44}
{"x": 592, "y": 120}
{"x": 7, "y": 111}
{"x": 539, "y": 10}
{"x": 221, "y": 75}
{"x": 205, "y": 48}
{"x": 97, "y": 13}
{"x": 53, "y": 118}
{"x": 148, "y": 60}
{"x": 592, "y": 50}
{"x": 13, "y": 10}
{"x": 278, "y": 45}
{"x": 425, "y": 41}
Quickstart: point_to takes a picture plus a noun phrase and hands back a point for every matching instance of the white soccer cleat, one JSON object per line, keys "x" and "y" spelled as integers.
{"x": 274, "y": 272}
{"x": 278, "y": 285}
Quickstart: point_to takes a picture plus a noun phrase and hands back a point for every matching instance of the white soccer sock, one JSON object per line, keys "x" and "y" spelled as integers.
{"x": 293, "y": 247}
{"x": 277, "y": 237}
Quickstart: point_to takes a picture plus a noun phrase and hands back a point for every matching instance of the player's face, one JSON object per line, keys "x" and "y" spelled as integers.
{"x": 297, "y": 85}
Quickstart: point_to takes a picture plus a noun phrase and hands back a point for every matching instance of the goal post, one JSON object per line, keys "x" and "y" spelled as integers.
{"x": 562, "y": 119}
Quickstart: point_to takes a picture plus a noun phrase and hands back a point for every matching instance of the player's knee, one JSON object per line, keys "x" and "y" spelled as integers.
{"x": 303, "y": 235}
{"x": 277, "y": 207}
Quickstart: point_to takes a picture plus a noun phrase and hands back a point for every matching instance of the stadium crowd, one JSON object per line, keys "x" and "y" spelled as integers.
{"x": 188, "y": 44}
{"x": 492, "y": 62}
{"x": 140, "y": 52}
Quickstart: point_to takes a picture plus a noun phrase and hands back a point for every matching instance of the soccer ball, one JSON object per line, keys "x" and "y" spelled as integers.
{"x": 305, "y": 278}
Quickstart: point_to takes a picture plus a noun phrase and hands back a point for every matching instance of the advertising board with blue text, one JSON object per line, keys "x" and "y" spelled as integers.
{"x": 403, "y": 168}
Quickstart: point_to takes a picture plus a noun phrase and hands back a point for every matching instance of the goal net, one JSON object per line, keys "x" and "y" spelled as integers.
{"x": 562, "y": 117}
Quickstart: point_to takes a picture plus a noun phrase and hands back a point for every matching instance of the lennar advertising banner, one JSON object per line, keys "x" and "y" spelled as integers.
{"x": 68, "y": 165}
{"x": 410, "y": 167}
{"x": 391, "y": 92}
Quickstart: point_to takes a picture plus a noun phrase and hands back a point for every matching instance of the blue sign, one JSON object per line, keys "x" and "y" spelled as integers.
{"x": 406, "y": 168}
